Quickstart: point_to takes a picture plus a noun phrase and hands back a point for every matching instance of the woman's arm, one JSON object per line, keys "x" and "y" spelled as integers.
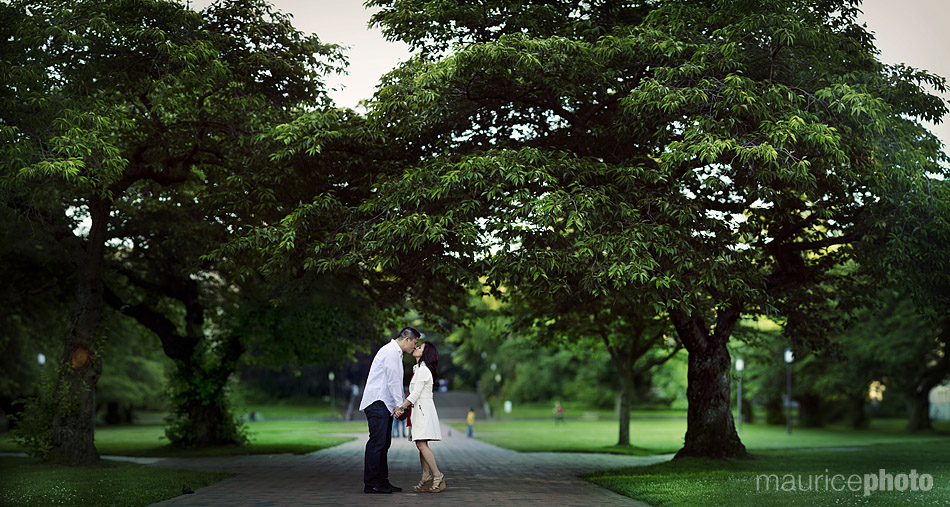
{"x": 417, "y": 386}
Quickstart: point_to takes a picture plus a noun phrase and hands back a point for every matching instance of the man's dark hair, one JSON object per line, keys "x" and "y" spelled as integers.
{"x": 408, "y": 332}
{"x": 430, "y": 356}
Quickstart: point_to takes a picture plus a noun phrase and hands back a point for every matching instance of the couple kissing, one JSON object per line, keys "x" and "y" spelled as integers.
{"x": 383, "y": 399}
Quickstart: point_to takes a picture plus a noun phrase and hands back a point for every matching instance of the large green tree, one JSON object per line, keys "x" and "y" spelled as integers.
{"x": 717, "y": 158}
{"x": 112, "y": 109}
{"x": 563, "y": 313}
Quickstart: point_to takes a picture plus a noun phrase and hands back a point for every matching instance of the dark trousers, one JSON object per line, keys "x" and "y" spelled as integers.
{"x": 375, "y": 464}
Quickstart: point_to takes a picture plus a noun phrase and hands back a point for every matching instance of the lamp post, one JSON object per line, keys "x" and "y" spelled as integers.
{"x": 789, "y": 358}
{"x": 740, "y": 365}
{"x": 332, "y": 377}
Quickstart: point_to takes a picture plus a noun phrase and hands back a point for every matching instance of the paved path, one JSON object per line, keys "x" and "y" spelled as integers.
{"x": 476, "y": 473}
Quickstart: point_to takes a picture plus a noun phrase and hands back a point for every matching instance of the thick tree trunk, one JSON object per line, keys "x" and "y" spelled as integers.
{"x": 710, "y": 428}
{"x": 200, "y": 415}
{"x": 210, "y": 420}
{"x": 73, "y": 424}
{"x": 918, "y": 411}
{"x": 203, "y": 401}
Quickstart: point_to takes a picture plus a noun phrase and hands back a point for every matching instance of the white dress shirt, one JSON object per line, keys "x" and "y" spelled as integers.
{"x": 385, "y": 378}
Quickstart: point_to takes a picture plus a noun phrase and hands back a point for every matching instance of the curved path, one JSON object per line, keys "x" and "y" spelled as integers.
{"x": 477, "y": 473}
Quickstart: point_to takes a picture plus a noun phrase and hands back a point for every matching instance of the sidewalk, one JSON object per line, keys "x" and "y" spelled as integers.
{"x": 476, "y": 473}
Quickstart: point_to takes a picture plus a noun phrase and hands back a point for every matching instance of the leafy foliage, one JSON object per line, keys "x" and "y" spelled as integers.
{"x": 703, "y": 159}
{"x": 143, "y": 119}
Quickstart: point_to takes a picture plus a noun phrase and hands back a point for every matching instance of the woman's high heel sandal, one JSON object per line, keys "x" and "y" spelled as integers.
{"x": 424, "y": 484}
{"x": 438, "y": 484}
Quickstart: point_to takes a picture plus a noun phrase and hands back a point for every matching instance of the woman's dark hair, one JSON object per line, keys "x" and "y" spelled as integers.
{"x": 430, "y": 355}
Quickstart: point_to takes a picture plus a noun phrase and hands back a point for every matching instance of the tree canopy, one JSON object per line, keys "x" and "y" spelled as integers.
{"x": 140, "y": 119}
{"x": 709, "y": 159}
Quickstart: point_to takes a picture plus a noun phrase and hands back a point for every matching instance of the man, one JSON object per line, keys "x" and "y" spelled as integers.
{"x": 382, "y": 393}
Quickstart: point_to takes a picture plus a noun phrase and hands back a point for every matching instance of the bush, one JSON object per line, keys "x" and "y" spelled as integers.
{"x": 32, "y": 426}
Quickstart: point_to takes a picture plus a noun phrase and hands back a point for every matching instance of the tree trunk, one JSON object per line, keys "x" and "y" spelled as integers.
{"x": 626, "y": 393}
{"x": 918, "y": 411}
{"x": 208, "y": 418}
{"x": 810, "y": 412}
{"x": 859, "y": 417}
{"x": 747, "y": 414}
{"x": 918, "y": 397}
{"x": 774, "y": 411}
{"x": 201, "y": 416}
{"x": 710, "y": 428}
{"x": 73, "y": 424}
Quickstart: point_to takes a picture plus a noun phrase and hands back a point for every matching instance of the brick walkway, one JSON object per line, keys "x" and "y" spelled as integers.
{"x": 476, "y": 473}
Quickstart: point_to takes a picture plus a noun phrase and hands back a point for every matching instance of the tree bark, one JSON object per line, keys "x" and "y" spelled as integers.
{"x": 810, "y": 410}
{"x": 859, "y": 416}
{"x": 199, "y": 390}
{"x": 918, "y": 411}
{"x": 209, "y": 420}
{"x": 710, "y": 428}
{"x": 918, "y": 395}
{"x": 626, "y": 393}
{"x": 73, "y": 424}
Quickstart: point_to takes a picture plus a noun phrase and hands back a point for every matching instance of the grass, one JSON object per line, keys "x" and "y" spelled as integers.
{"x": 26, "y": 482}
{"x": 265, "y": 437}
{"x": 574, "y": 410}
{"x": 294, "y": 409}
{"x": 734, "y": 482}
{"x": 650, "y": 436}
{"x": 807, "y": 452}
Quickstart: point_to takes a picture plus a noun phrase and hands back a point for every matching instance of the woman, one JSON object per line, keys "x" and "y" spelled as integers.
{"x": 423, "y": 420}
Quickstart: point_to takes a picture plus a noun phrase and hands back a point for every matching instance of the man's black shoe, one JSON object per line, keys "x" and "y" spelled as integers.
{"x": 382, "y": 490}
{"x": 396, "y": 489}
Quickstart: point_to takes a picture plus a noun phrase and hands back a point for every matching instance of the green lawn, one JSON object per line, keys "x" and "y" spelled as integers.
{"x": 26, "y": 482}
{"x": 575, "y": 410}
{"x": 266, "y": 437}
{"x": 816, "y": 453}
{"x": 652, "y": 436}
{"x": 782, "y": 478}
{"x": 320, "y": 411}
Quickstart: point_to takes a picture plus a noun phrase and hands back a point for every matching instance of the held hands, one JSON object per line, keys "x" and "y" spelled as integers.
{"x": 398, "y": 411}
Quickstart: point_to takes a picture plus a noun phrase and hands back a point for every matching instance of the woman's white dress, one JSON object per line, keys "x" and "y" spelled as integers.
{"x": 424, "y": 419}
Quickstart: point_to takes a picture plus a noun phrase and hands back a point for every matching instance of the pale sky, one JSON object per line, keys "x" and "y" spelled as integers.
{"x": 914, "y": 32}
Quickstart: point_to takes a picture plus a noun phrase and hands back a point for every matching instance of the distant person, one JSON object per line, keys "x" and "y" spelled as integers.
{"x": 382, "y": 393}
{"x": 558, "y": 413}
{"x": 470, "y": 419}
{"x": 423, "y": 419}
{"x": 399, "y": 424}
